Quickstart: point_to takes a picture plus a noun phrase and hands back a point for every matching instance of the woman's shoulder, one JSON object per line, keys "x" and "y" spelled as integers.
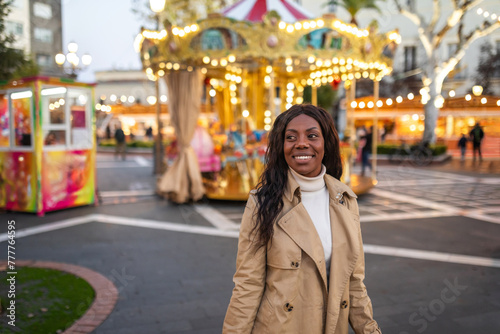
{"x": 338, "y": 186}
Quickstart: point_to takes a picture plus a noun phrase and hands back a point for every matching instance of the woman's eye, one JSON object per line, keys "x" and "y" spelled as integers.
{"x": 290, "y": 137}
{"x": 313, "y": 135}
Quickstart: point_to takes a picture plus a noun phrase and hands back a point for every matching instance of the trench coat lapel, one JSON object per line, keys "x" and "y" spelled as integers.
{"x": 298, "y": 225}
{"x": 345, "y": 249}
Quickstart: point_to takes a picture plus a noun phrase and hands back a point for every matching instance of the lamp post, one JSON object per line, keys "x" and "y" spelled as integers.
{"x": 157, "y": 7}
{"x": 70, "y": 62}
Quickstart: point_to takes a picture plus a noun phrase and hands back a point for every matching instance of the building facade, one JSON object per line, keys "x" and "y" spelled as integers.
{"x": 37, "y": 26}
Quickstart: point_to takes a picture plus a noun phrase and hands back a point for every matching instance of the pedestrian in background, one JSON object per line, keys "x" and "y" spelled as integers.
{"x": 121, "y": 145}
{"x": 367, "y": 150}
{"x": 476, "y": 136}
{"x": 462, "y": 143}
{"x": 300, "y": 263}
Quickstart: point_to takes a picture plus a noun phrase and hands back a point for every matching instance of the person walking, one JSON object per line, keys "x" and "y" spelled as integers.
{"x": 121, "y": 145}
{"x": 462, "y": 143}
{"x": 476, "y": 136}
{"x": 367, "y": 150}
{"x": 300, "y": 263}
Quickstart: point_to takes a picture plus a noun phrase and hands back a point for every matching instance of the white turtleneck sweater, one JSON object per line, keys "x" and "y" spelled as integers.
{"x": 316, "y": 200}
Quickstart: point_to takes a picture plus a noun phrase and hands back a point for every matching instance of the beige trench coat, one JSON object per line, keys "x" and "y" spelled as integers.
{"x": 284, "y": 288}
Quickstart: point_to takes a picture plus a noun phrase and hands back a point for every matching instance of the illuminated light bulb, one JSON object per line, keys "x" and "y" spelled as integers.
{"x": 399, "y": 99}
{"x": 310, "y": 82}
{"x": 204, "y": 70}
{"x": 238, "y": 79}
{"x": 413, "y": 127}
{"x": 411, "y": 96}
{"x": 245, "y": 113}
{"x": 149, "y": 70}
{"x": 267, "y": 127}
{"x": 151, "y": 99}
{"x": 214, "y": 62}
{"x": 97, "y": 106}
{"x": 161, "y": 73}
{"x": 290, "y": 85}
{"x": 288, "y": 61}
{"x": 361, "y": 104}
{"x": 380, "y": 103}
{"x": 317, "y": 81}
{"x": 232, "y": 87}
{"x": 306, "y": 25}
{"x": 484, "y": 100}
{"x": 206, "y": 59}
{"x": 319, "y": 62}
{"x": 176, "y": 66}
{"x": 113, "y": 98}
{"x": 451, "y": 93}
{"x": 289, "y": 99}
{"x": 342, "y": 61}
{"x": 486, "y": 14}
{"x": 169, "y": 66}
{"x": 267, "y": 79}
{"x": 350, "y": 76}
{"x": 320, "y": 23}
{"x": 330, "y": 79}
{"x": 223, "y": 62}
{"x": 494, "y": 16}
{"x": 282, "y": 25}
{"x": 289, "y": 68}
{"x": 234, "y": 100}
{"x": 227, "y": 76}
{"x": 354, "y": 104}
{"x": 311, "y": 59}
{"x": 289, "y": 28}
{"x": 212, "y": 92}
{"x": 267, "y": 113}
{"x": 370, "y": 104}
{"x": 388, "y": 102}
{"x": 498, "y": 103}
{"x": 299, "y": 100}
{"x": 415, "y": 117}
{"x": 313, "y": 24}
{"x": 468, "y": 97}
{"x": 343, "y": 77}
{"x": 298, "y": 26}
{"x": 187, "y": 29}
{"x": 267, "y": 120}
{"x": 175, "y": 31}
{"x": 269, "y": 69}
{"x": 194, "y": 27}
{"x": 131, "y": 99}
{"x": 123, "y": 98}
{"x": 163, "y": 98}
{"x": 479, "y": 11}
{"x": 357, "y": 75}
{"x": 335, "y": 60}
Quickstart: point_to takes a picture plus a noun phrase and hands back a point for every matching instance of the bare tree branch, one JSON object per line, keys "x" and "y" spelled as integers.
{"x": 435, "y": 15}
{"x": 421, "y": 27}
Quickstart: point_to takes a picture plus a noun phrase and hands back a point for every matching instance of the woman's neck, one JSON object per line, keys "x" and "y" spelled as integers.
{"x": 310, "y": 183}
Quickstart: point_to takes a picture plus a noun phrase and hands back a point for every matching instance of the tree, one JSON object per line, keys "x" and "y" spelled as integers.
{"x": 487, "y": 68}
{"x": 434, "y": 68}
{"x": 12, "y": 61}
{"x": 354, "y": 6}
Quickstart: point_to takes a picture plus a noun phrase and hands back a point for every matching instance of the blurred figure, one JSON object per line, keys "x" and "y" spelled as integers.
{"x": 120, "y": 142}
{"x": 476, "y": 136}
{"x": 149, "y": 133}
{"x": 366, "y": 151}
{"x": 462, "y": 143}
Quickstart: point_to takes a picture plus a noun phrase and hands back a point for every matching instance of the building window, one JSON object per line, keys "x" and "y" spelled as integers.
{"x": 410, "y": 58}
{"x": 43, "y": 35}
{"x": 15, "y": 28}
{"x": 42, "y": 10}
{"x": 43, "y": 60}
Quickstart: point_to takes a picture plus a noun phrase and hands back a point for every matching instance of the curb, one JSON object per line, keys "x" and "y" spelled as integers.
{"x": 106, "y": 293}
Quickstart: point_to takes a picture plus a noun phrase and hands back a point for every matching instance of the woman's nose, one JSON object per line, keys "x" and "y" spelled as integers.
{"x": 302, "y": 143}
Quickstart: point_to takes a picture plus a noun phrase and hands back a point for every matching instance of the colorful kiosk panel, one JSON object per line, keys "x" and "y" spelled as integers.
{"x": 47, "y": 145}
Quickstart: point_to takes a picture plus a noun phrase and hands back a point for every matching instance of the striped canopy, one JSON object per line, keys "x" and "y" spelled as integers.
{"x": 254, "y": 10}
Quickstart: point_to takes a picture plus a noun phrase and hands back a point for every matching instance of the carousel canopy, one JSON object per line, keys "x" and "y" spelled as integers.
{"x": 254, "y": 10}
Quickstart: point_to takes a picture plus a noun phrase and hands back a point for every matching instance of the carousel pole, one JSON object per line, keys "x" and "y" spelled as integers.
{"x": 351, "y": 96}
{"x": 376, "y": 94}
{"x": 314, "y": 95}
{"x": 272, "y": 92}
{"x": 244, "y": 110}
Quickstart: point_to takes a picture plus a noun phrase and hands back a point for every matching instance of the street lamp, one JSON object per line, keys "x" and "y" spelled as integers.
{"x": 70, "y": 62}
{"x": 157, "y": 6}
{"x": 477, "y": 90}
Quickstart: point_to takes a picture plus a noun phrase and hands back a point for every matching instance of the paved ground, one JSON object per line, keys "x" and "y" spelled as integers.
{"x": 432, "y": 243}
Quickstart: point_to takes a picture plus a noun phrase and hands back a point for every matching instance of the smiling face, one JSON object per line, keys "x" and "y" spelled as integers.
{"x": 304, "y": 146}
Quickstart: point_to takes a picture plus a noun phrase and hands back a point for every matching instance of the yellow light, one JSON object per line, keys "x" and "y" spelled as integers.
{"x": 319, "y": 62}
{"x": 97, "y": 106}
{"x": 451, "y": 93}
{"x": 282, "y": 25}
{"x": 289, "y": 93}
{"x": 299, "y": 100}
{"x": 289, "y": 99}
{"x": 320, "y": 23}
{"x": 353, "y": 104}
{"x": 335, "y": 60}
{"x": 413, "y": 127}
{"x": 214, "y": 62}
{"x": 234, "y": 100}
{"x": 357, "y": 75}
{"x": 317, "y": 81}
{"x": 267, "y": 127}
{"x": 238, "y": 79}
{"x": 289, "y": 68}
{"x": 288, "y": 106}
{"x": 289, "y": 28}
{"x": 311, "y": 59}
{"x": 406, "y": 118}
{"x": 498, "y": 103}
{"x": 298, "y": 25}
{"x": 267, "y": 79}
{"x": 245, "y": 113}
{"x": 204, "y": 70}
{"x": 343, "y": 77}
{"x": 399, "y": 99}
{"x": 227, "y": 76}
{"x": 213, "y": 82}
{"x": 267, "y": 120}
{"x": 212, "y": 92}
{"x": 330, "y": 79}
{"x": 176, "y": 66}
{"x": 477, "y": 90}
{"x": 306, "y": 25}
{"x": 151, "y": 99}
{"x": 468, "y": 97}
{"x": 206, "y": 59}
{"x": 290, "y": 85}
{"x": 169, "y": 66}
{"x": 161, "y": 73}
{"x": 350, "y": 76}
{"x": 267, "y": 113}
{"x": 415, "y": 117}
{"x": 231, "y": 58}
{"x": 388, "y": 102}
{"x": 312, "y": 24}
{"x": 361, "y": 104}
{"x": 175, "y": 31}
{"x": 380, "y": 103}
{"x": 149, "y": 71}
{"x": 269, "y": 69}
{"x": 310, "y": 82}
{"x": 421, "y": 127}
{"x": 223, "y": 62}
{"x": 194, "y": 27}
{"x": 187, "y": 29}
{"x": 232, "y": 87}
{"x": 342, "y": 61}
{"x": 370, "y": 104}
{"x": 288, "y": 61}
{"x": 411, "y": 96}
{"x": 484, "y": 100}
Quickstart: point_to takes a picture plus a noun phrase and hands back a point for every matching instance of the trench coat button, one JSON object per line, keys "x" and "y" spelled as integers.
{"x": 296, "y": 264}
{"x": 288, "y": 307}
{"x": 293, "y": 264}
{"x": 343, "y": 304}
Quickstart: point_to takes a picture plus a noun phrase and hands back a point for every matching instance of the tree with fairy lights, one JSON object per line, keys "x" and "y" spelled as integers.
{"x": 431, "y": 33}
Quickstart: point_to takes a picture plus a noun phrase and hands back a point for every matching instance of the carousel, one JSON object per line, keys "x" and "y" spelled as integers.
{"x": 244, "y": 67}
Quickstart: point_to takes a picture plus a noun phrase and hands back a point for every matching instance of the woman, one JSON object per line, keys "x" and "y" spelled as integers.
{"x": 300, "y": 263}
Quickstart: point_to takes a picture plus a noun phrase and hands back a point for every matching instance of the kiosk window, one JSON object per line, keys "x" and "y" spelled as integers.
{"x": 21, "y": 102}
{"x": 4, "y": 121}
{"x": 54, "y": 137}
{"x": 79, "y": 102}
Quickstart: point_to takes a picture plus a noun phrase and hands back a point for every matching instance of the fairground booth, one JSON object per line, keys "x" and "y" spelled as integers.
{"x": 248, "y": 64}
{"x": 47, "y": 152}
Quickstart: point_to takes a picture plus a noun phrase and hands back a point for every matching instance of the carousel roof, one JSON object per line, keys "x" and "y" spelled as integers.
{"x": 253, "y": 10}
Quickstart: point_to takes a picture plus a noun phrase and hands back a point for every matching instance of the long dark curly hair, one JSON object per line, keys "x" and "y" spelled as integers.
{"x": 273, "y": 180}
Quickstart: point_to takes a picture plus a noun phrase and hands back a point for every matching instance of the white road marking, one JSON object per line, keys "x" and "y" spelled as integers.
{"x": 125, "y": 193}
{"x": 202, "y": 230}
{"x": 142, "y": 161}
{"x": 216, "y": 218}
{"x": 403, "y": 216}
